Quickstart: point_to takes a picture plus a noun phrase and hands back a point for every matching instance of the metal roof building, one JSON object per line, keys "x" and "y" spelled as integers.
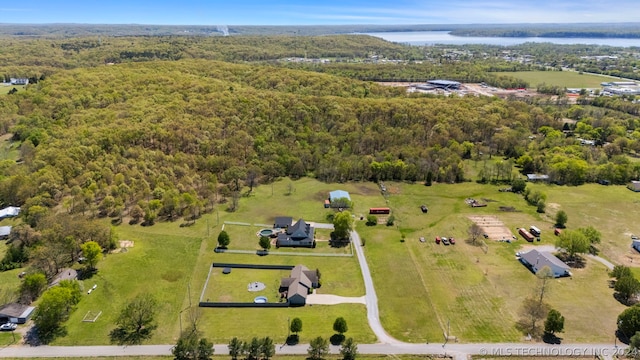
{"x": 444, "y": 84}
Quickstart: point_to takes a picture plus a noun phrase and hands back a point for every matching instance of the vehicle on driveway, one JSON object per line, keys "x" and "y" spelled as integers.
{"x": 8, "y": 327}
{"x": 437, "y": 239}
{"x": 445, "y": 240}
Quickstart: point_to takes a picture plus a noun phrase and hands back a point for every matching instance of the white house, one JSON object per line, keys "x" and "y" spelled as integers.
{"x": 536, "y": 260}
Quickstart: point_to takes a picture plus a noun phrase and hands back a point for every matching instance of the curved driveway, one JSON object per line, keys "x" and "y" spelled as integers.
{"x": 387, "y": 344}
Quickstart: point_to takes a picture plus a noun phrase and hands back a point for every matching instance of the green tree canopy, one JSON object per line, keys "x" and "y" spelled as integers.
{"x": 343, "y": 224}
{"x": 554, "y": 323}
{"x": 349, "y": 350}
{"x": 32, "y": 286}
{"x": 53, "y": 310}
{"x": 136, "y": 321}
{"x": 296, "y": 325}
{"x": 340, "y": 325}
{"x": 265, "y": 243}
{"x": 92, "y": 252}
{"x": 318, "y": 348}
{"x": 573, "y": 242}
{"x": 223, "y": 239}
{"x": 627, "y": 287}
{"x": 189, "y": 347}
{"x": 561, "y": 219}
{"x": 629, "y": 321}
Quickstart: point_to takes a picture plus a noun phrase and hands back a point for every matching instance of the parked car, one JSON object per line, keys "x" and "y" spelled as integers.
{"x": 8, "y": 327}
{"x": 452, "y": 241}
{"x": 424, "y": 208}
{"x": 422, "y": 239}
{"x": 445, "y": 240}
{"x": 437, "y": 239}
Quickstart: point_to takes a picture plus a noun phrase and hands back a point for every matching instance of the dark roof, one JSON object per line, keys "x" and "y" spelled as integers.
{"x": 282, "y": 221}
{"x": 299, "y": 230}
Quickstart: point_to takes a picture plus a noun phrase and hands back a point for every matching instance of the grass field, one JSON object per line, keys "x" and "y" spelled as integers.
{"x": 4, "y": 89}
{"x": 476, "y": 295}
{"x": 172, "y": 263}
{"x": 568, "y": 79}
{"x": 422, "y": 288}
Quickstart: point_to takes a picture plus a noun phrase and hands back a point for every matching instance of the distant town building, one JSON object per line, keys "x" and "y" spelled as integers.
{"x": 19, "y": 81}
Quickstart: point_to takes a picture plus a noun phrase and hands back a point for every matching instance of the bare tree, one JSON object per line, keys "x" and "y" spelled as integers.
{"x": 474, "y": 232}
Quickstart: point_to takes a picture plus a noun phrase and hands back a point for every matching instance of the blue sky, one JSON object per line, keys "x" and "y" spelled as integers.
{"x": 301, "y": 12}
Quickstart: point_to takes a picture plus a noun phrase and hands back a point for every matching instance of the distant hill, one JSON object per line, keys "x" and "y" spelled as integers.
{"x": 617, "y": 30}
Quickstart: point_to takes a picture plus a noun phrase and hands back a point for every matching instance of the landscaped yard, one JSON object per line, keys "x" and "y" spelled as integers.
{"x": 244, "y": 237}
{"x": 568, "y": 79}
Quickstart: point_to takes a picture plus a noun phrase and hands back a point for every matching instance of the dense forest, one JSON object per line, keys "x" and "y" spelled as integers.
{"x": 161, "y": 128}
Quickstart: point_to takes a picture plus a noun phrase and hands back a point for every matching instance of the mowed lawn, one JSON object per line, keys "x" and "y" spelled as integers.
{"x": 568, "y": 79}
{"x": 245, "y": 237}
{"x": 160, "y": 263}
{"x": 476, "y": 295}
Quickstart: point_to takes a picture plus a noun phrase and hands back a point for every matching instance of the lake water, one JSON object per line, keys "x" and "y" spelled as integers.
{"x": 443, "y": 37}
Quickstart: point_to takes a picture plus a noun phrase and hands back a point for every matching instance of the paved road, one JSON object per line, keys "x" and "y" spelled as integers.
{"x": 387, "y": 345}
{"x": 458, "y": 351}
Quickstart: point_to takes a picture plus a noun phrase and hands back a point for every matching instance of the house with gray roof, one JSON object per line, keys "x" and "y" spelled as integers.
{"x": 299, "y": 284}
{"x": 300, "y": 234}
{"x": 15, "y": 313}
{"x": 536, "y": 260}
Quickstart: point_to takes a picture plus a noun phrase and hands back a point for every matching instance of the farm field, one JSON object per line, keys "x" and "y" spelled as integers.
{"x": 568, "y": 79}
{"x": 484, "y": 303}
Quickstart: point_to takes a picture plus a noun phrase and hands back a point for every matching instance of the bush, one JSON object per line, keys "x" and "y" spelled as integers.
{"x": 372, "y": 220}
{"x": 391, "y": 220}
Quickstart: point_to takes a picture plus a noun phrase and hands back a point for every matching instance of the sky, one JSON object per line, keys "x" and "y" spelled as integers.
{"x": 327, "y": 12}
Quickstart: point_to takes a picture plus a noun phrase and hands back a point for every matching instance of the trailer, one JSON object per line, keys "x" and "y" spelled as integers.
{"x": 534, "y": 231}
{"x": 526, "y": 235}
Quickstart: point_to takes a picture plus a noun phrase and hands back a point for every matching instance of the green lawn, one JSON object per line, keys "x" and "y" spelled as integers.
{"x": 476, "y": 295}
{"x": 423, "y": 288}
{"x": 568, "y": 79}
{"x": 5, "y": 89}
{"x": 245, "y": 237}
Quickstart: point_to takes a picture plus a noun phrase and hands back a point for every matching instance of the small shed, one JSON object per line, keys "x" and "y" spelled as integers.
{"x": 5, "y": 231}
{"x": 16, "y": 313}
{"x": 10, "y": 211}
{"x": 537, "y": 177}
{"x": 379, "y": 211}
{"x": 634, "y": 186}
{"x": 339, "y": 194}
